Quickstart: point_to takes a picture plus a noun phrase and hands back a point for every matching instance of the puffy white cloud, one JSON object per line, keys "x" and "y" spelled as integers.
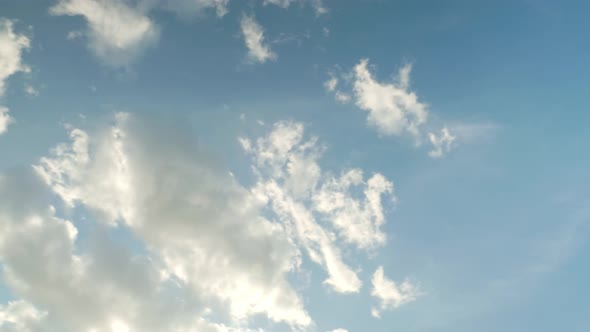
{"x": 118, "y": 32}
{"x": 202, "y": 226}
{"x": 392, "y": 108}
{"x": 5, "y": 119}
{"x": 389, "y": 294}
{"x": 253, "y": 33}
{"x": 12, "y": 46}
{"x": 441, "y": 143}
{"x": 308, "y": 200}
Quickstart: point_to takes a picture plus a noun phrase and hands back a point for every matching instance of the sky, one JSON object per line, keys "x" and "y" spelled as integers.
{"x": 294, "y": 165}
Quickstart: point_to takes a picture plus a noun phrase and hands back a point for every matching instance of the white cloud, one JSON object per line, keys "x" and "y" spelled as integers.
{"x": 441, "y": 144}
{"x": 203, "y": 227}
{"x": 12, "y": 46}
{"x": 392, "y": 108}
{"x": 301, "y": 195}
{"x": 117, "y": 31}
{"x": 20, "y": 316}
{"x": 338, "y": 330}
{"x": 258, "y": 50}
{"x": 389, "y": 295}
{"x": 5, "y": 119}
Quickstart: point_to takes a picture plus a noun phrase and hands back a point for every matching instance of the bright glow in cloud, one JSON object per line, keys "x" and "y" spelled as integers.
{"x": 389, "y": 295}
{"x": 258, "y": 50}
{"x": 301, "y": 194}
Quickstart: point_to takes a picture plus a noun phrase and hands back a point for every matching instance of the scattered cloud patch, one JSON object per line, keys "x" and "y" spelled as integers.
{"x": 253, "y": 33}
{"x": 12, "y": 46}
{"x": 117, "y": 31}
{"x": 441, "y": 143}
{"x": 393, "y": 109}
{"x": 319, "y": 208}
{"x": 390, "y": 295}
{"x": 5, "y": 119}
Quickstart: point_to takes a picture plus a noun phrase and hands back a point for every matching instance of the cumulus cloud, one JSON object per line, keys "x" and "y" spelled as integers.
{"x": 390, "y": 295}
{"x": 208, "y": 253}
{"x": 393, "y": 109}
{"x": 203, "y": 226}
{"x": 306, "y": 198}
{"x": 12, "y": 46}
{"x": 117, "y": 33}
{"x": 253, "y": 33}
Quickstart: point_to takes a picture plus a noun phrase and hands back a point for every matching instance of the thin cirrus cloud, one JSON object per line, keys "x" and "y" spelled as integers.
{"x": 253, "y": 33}
{"x": 12, "y": 46}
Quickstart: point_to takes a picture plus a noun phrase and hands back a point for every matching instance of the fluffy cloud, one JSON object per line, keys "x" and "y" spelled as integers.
{"x": 258, "y": 50}
{"x": 12, "y": 46}
{"x": 389, "y": 294}
{"x": 200, "y": 226}
{"x": 117, "y": 31}
{"x": 308, "y": 200}
{"x": 393, "y": 109}
{"x": 204, "y": 246}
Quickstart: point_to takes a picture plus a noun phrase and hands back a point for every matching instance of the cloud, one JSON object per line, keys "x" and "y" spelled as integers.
{"x": 202, "y": 228}
{"x": 5, "y": 119}
{"x": 308, "y": 200}
{"x": 393, "y": 109}
{"x": 117, "y": 31}
{"x": 441, "y": 143}
{"x": 317, "y": 5}
{"x": 20, "y": 316}
{"x": 12, "y": 46}
{"x": 389, "y": 295}
{"x": 258, "y": 50}
{"x": 195, "y": 7}
{"x": 207, "y": 254}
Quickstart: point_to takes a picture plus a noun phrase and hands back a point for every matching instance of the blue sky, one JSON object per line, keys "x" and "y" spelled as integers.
{"x": 303, "y": 165}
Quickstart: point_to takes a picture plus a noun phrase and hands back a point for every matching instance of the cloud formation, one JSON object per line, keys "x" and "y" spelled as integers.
{"x": 393, "y": 109}
{"x": 306, "y": 198}
{"x": 117, "y": 32}
{"x": 5, "y": 119}
{"x": 389, "y": 295}
{"x": 253, "y": 34}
